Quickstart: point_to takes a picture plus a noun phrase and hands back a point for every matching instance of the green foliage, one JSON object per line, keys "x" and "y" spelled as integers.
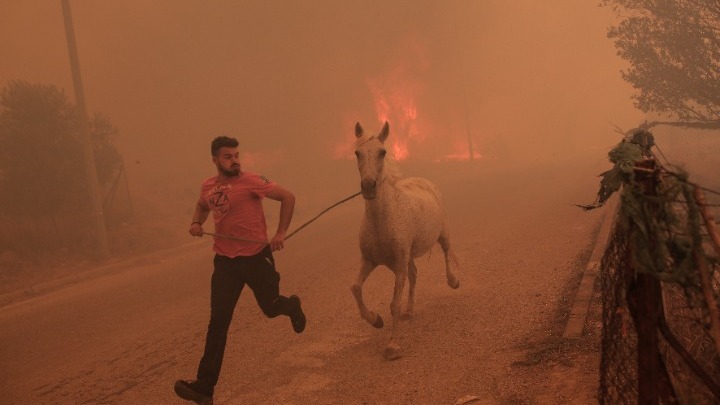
{"x": 657, "y": 233}
{"x": 658, "y": 212}
{"x": 673, "y": 47}
{"x": 623, "y": 156}
{"x": 41, "y": 155}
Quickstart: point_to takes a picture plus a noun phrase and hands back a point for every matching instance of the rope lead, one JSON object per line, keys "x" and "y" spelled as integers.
{"x": 232, "y": 237}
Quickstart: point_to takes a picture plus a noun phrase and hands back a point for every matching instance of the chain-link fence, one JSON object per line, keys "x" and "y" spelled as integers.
{"x": 697, "y": 151}
{"x": 659, "y": 278}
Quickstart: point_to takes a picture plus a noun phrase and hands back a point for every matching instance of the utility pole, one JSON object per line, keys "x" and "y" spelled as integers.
{"x": 467, "y": 125}
{"x": 91, "y": 170}
{"x": 463, "y": 75}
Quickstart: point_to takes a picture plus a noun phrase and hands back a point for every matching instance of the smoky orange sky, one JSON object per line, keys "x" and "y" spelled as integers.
{"x": 527, "y": 80}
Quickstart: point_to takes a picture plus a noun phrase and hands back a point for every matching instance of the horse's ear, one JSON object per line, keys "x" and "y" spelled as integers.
{"x": 382, "y": 136}
{"x": 358, "y": 130}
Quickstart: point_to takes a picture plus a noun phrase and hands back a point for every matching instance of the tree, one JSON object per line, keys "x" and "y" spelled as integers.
{"x": 673, "y": 47}
{"x": 41, "y": 155}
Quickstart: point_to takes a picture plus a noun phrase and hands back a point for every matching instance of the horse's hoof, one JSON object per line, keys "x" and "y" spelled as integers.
{"x": 392, "y": 352}
{"x": 406, "y": 316}
{"x": 378, "y": 322}
{"x": 454, "y": 285}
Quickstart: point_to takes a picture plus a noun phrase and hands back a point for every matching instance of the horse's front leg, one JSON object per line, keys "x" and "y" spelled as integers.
{"x": 392, "y": 351}
{"x": 412, "y": 277}
{"x": 365, "y": 269}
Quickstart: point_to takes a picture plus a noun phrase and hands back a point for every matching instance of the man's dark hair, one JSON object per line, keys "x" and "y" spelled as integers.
{"x": 221, "y": 142}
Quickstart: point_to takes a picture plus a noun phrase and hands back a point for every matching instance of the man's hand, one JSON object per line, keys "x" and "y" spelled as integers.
{"x": 287, "y": 205}
{"x": 196, "y": 229}
{"x": 277, "y": 242}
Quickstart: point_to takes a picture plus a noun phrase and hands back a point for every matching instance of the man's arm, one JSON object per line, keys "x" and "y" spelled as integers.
{"x": 287, "y": 207}
{"x": 201, "y": 213}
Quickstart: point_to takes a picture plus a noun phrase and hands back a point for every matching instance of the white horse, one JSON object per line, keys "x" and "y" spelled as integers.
{"x": 403, "y": 220}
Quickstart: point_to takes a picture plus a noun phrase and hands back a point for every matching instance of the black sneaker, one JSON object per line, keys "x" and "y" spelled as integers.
{"x": 297, "y": 317}
{"x": 194, "y": 391}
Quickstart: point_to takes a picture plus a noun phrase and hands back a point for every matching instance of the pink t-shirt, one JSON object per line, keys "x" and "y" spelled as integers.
{"x": 236, "y": 205}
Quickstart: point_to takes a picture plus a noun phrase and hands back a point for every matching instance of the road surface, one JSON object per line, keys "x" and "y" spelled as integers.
{"x": 125, "y": 337}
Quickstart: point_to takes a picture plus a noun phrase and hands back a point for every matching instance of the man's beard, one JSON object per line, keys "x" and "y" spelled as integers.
{"x": 234, "y": 171}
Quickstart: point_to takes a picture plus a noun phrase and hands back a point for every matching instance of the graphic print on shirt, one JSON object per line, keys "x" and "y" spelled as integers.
{"x": 218, "y": 199}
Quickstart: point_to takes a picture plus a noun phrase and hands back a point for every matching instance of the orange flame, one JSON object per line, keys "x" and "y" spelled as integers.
{"x": 396, "y": 93}
{"x": 395, "y": 102}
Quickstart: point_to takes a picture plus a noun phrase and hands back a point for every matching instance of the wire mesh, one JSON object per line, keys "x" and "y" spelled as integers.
{"x": 618, "y": 365}
{"x": 686, "y": 345}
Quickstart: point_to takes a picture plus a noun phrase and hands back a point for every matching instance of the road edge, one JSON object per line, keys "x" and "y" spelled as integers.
{"x": 581, "y": 304}
{"x": 46, "y": 287}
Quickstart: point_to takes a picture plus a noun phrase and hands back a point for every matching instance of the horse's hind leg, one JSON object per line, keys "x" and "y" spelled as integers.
{"x": 373, "y": 318}
{"x": 412, "y": 276}
{"x": 444, "y": 241}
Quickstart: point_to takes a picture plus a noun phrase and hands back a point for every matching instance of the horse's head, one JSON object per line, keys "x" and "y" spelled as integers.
{"x": 370, "y": 152}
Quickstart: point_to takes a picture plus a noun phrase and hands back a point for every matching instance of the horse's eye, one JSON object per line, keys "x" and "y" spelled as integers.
{"x": 383, "y": 152}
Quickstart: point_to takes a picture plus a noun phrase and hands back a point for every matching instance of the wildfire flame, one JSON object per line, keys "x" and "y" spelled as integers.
{"x": 395, "y": 93}
{"x": 395, "y": 96}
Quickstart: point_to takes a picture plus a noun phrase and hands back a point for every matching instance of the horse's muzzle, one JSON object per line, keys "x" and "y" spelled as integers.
{"x": 368, "y": 188}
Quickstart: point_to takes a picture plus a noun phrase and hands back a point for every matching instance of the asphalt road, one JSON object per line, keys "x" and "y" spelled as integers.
{"x": 125, "y": 337}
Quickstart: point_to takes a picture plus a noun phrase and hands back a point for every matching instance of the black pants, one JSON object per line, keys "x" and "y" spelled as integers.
{"x": 228, "y": 279}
